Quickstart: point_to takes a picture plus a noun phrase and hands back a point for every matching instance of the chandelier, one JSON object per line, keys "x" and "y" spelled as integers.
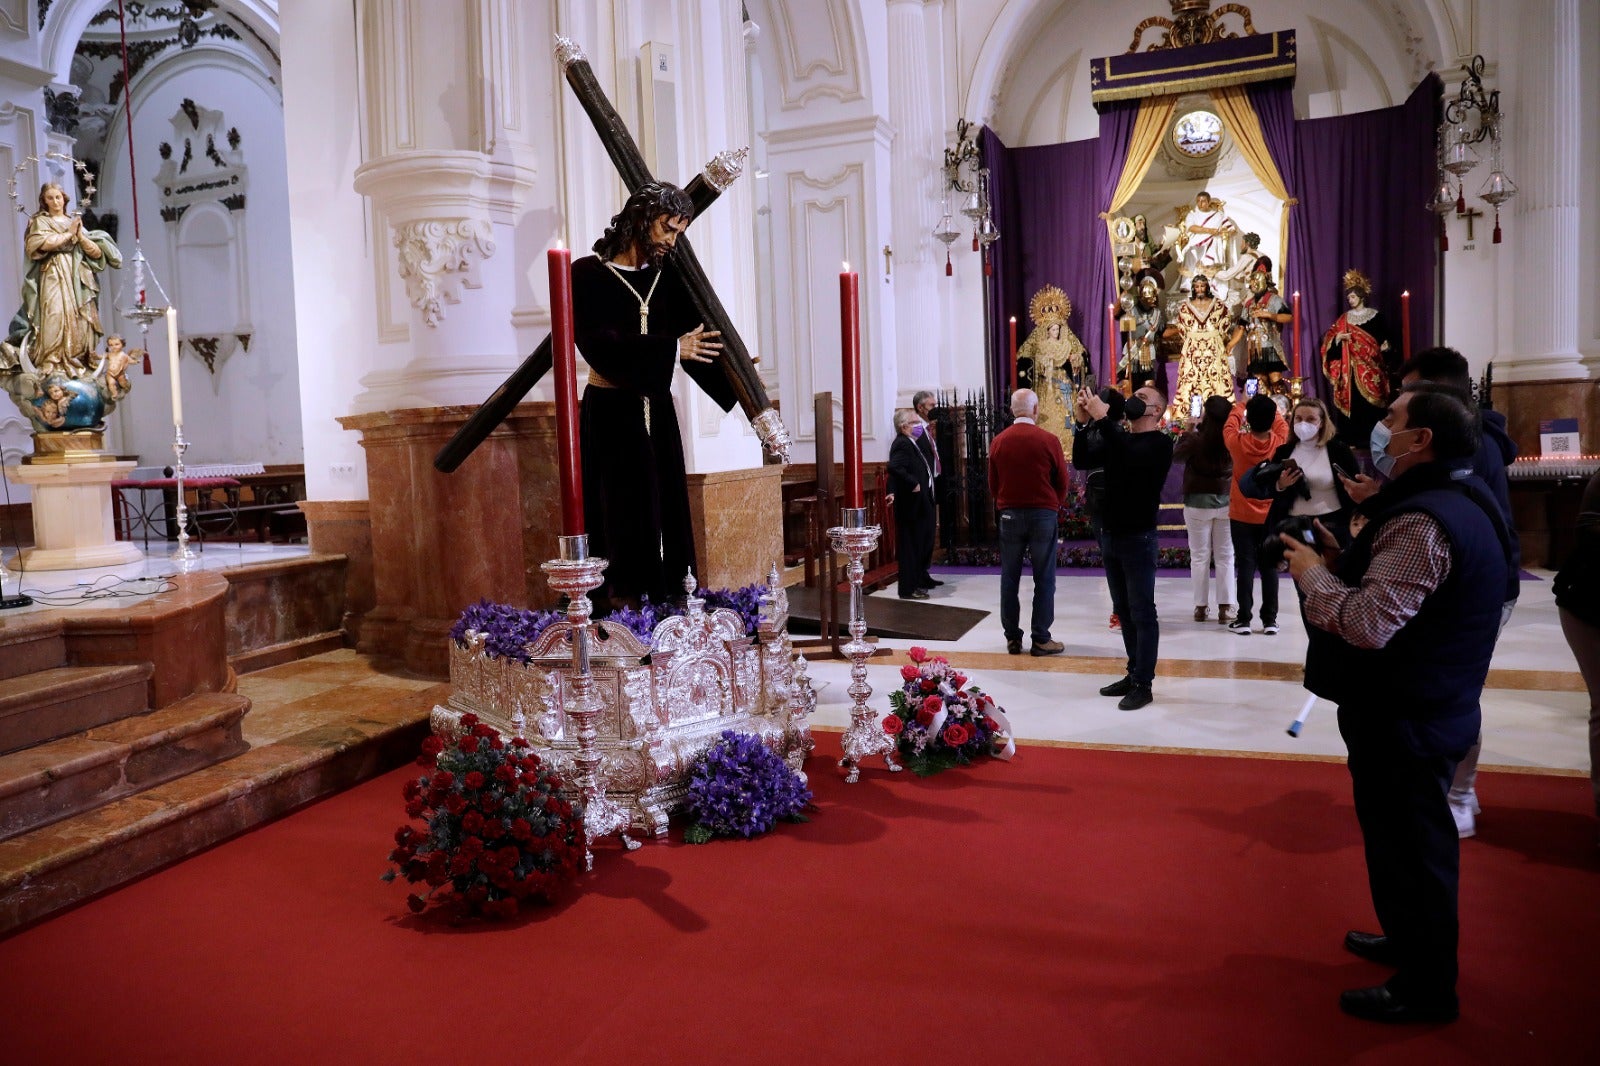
{"x": 1473, "y": 117}
{"x": 966, "y": 181}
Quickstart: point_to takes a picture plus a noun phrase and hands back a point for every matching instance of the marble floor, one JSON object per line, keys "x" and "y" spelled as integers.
{"x": 110, "y": 586}
{"x": 1216, "y": 691}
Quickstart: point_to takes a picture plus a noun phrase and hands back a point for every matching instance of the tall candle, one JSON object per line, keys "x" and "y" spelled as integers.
{"x": 1295, "y": 326}
{"x": 1013, "y": 353}
{"x": 172, "y": 358}
{"x": 1111, "y": 342}
{"x": 1405, "y": 324}
{"x": 850, "y": 344}
{"x": 559, "y": 261}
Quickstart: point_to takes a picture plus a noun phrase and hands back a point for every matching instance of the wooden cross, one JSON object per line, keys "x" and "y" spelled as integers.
{"x": 1469, "y": 214}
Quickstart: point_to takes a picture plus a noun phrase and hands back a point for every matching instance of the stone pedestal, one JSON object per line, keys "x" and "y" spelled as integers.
{"x": 738, "y": 525}
{"x": 72, "y": 526}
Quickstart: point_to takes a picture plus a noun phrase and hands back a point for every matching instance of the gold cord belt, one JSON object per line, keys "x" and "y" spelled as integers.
{"x": 599, "y": 382}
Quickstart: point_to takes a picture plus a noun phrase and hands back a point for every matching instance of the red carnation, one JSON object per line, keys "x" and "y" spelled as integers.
{"x": 455, "y": 803}
{"x": 893, "y": 724}
{"x": 929, "y": 685}
{"x": 469, "y": 745}
{"x": 519, "y": 742}
{"x": 473, "y": 780}
{"x": 432, "y": 745}
{"x": 468, "y": 720}
{"x": 908, "y": 672}
{"x": 481, "y": 730}
{"x": 917, "y": 654}
{"x": 505, "y": 772}
{"x": 956, "y": 734}
{"x": 414, "y": 808}
{"x": 443, "y": 779}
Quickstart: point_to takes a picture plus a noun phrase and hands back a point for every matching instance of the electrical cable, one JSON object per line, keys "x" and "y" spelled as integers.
{"x": 19, "y": 600}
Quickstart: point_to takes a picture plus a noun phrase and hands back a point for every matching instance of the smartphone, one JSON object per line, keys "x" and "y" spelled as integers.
{"x": 1250, "y": 386}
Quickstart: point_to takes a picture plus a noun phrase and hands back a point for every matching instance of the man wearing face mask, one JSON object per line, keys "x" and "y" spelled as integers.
{"x": 1136, "y": 461}
{"x": 923, "y": 404}
{"x": 911, "y": 492}
{"x": 1402, "y": 627}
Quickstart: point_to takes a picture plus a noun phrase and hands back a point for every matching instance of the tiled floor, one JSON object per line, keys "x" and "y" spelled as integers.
{"x": 1216, "y": 691}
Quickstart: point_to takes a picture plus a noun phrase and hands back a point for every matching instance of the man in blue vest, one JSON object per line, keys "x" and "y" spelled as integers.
{"x": 1402, "y": 625}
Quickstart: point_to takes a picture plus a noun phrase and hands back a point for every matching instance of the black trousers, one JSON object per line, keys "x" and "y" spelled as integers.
{"x": 913, "y": 545}
{"x": 1400, "y": 771}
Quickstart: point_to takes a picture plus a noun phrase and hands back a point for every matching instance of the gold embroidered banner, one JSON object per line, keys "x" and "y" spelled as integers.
{"x": 1231, "y": 61}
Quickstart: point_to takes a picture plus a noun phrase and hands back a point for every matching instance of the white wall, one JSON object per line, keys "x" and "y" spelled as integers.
{"x": 244, "y": 410}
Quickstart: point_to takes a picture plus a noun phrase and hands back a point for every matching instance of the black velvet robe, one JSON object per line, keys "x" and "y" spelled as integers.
{"x": 635, "y": 496}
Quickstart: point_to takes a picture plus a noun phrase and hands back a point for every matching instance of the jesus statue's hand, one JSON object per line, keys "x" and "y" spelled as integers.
{"x": 699, "y": 345}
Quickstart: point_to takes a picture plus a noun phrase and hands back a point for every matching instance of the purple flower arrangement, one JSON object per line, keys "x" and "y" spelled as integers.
{"x": 739, "y": 787}
{"x": 509, "y": 630}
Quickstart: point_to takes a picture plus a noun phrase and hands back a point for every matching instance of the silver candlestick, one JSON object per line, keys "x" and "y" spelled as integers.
{"x": 865, "y": 737}
{"x": 575, "y": 574}
{"x": 185, "y": 558}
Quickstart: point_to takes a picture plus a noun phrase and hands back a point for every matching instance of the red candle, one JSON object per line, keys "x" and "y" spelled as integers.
{"x": 1295, "y": 326}
{"x": 566, "y": 368}
{"x": 1111, "y": 341}
{"x": 1013, "y": 353}
{"x": 1405, "y": 324}
{"x": 850, "y": 343}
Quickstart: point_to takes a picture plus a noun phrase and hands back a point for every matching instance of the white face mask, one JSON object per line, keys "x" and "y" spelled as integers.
{"x": 1306, "y": 430}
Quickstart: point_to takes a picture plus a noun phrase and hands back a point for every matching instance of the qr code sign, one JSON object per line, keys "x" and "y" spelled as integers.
{"x": 1561, "y": 443}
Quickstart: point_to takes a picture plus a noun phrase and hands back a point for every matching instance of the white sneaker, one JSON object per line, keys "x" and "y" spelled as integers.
{"x": 1463, "y": 811}
{"x": 1270, "y": 629}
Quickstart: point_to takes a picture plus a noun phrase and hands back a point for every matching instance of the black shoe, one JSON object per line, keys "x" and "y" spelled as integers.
{"x": 919, "y": 594}
{"x": 1374, "y": 947}
{"x": 932, "y": 583}
{"x": 1118, "y": 688}
{"x": 1378, "y": 1004}
{"x": 1138, "y": 696}
{"x": 1014, "y": 647}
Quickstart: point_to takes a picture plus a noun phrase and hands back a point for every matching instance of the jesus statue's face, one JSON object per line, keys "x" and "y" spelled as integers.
{"x": 664, "y": 233}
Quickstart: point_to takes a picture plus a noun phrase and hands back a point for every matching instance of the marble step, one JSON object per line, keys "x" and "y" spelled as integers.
{"x": 78, "y": 857}
{"x": 29, "y": 644}
{"x": 63, "y": 700}
{"x": 64, "y": 777}
{"x": 287, "y": 651}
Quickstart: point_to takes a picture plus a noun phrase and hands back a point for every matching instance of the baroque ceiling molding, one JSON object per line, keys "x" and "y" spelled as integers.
{"x": 817, "y": 53}
{"x": 438, "y": 257}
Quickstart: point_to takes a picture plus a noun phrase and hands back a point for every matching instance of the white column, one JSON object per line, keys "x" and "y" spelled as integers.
{"x": 913, "y": 163}
{"x": 1547, "y": 111}
{"x": 446, "y": 178}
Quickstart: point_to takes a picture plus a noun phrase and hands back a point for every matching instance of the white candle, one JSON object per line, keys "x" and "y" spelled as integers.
{"x": 172, "y": 356}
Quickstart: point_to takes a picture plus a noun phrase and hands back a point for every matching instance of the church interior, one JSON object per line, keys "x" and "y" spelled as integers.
{"x": 363, "y": 461}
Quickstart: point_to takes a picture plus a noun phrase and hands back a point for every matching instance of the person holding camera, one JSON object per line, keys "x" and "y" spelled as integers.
{"x": 1136, "y": 461}
{"x": 1207, "y": 473}
{"x": 1254, "y": 431}
{"x": 1302, "y": 479}
{"x": 1402, "y": 625}
{"x": 1094, "y": 477}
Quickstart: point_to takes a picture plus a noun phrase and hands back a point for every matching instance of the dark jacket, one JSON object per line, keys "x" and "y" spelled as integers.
{"x": 1434, "y": 668}
{"x": 1496, "y": 451}
{"x": 1259, "y": 488}
{"x": 908, "y": 470}
{"x": 1135, "y": 469}
{"x": 1203, "y": 472}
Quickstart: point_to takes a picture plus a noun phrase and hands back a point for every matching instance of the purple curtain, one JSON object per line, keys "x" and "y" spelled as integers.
{"x": 1364, "y": 182}
{"x": 1049, "y": 235}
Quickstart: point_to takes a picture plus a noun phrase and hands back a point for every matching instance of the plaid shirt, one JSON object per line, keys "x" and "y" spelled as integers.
{"x": 1410, "y": 560}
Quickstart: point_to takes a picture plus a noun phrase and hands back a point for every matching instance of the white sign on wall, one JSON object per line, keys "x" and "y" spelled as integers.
{"x": 1559, "y": 436}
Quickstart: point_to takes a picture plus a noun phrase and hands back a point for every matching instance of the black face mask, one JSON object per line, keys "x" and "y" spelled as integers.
{"x": 1135, "y": 408}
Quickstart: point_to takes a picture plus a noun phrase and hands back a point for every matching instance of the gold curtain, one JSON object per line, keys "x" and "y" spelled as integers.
{"x": 1155, "y": 114}
{"x": 1233, "y": 104}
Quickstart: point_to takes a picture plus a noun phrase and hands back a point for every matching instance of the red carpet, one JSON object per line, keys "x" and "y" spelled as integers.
{"x": 1072, "y": 906}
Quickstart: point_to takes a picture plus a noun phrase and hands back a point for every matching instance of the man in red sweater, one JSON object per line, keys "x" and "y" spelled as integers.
{"x": 1028, "y": 477}
{"x": 1254, "y": 431}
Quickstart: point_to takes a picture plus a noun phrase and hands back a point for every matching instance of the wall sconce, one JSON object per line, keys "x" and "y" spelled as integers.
{"x": 973, "y": 193}
{"x": 1471, "y": 118}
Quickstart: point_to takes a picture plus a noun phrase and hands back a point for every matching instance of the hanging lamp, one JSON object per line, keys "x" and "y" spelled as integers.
{"x": 140, "y": 297}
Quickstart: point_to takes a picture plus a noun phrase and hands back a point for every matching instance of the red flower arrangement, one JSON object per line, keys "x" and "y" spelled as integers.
{"x": 497, "y": 831}
{"x": 939, "y": 721}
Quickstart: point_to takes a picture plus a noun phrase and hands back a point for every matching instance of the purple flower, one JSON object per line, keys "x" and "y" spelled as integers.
{"x": 740, "y": 787}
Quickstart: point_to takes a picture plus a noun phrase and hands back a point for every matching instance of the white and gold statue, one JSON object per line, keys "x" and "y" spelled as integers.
{"x": 1060, "y": 365}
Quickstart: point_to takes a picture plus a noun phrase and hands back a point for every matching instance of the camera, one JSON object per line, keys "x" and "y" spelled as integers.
{"x": 1301, "y": 527}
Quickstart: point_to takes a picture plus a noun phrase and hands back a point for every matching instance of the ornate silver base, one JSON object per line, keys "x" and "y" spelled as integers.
{"x": 575, "y": 574}
{"x": 662, "y": 702}
{"x": 865, "y": 737}
{"x": 183, "y": 555}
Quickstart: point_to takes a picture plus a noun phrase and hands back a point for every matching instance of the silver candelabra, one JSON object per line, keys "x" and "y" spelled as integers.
{"x": 865, "y": 737}
{"x": 182, "y": 555}
{"x": 575, "y": 574}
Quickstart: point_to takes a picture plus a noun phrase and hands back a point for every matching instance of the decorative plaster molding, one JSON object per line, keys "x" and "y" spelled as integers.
{"x": 823, "y": 42}
{"x": 438, "y": 257}
{"x": 830, "y": 134}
